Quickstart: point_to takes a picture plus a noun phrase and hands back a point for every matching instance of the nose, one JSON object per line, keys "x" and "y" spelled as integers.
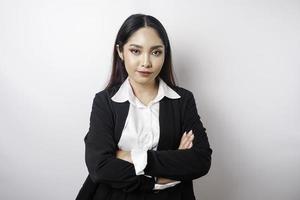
{"x": 146, "y": 61}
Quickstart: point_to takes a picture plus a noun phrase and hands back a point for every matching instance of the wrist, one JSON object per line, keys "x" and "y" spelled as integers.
{"x": 129, "y": 157}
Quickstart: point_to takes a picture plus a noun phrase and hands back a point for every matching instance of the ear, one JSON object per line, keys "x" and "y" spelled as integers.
{"x": 120, "y": 52}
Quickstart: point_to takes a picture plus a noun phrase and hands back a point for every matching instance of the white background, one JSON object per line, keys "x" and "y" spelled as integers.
{"x": 239, "y": 58}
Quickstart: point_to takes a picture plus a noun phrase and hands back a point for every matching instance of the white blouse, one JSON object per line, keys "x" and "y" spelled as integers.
{"x": 141, "y": 130}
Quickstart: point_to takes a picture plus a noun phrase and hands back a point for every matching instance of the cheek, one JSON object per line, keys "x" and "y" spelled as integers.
{"x": 130, "y": 61}
{"x": 133, "y": 59}
{"x": 158, "y": 62}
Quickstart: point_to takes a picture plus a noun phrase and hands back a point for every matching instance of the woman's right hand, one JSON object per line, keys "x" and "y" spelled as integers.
{"x": 185, "y": 143}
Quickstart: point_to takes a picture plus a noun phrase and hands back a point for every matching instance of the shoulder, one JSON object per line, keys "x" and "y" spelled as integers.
{"x": 102, "y": 100}
{"x": 184, "y": 93}
{"x": 102, "y": 103}
{"x": 107, "y": 93}
{"x": 187, "y": 100}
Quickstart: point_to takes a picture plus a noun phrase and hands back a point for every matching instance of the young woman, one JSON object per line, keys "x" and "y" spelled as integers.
{"x": 145, "y": 139}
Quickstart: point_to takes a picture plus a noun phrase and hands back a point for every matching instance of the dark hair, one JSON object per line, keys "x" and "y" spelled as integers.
{"x": 130, "y": 25}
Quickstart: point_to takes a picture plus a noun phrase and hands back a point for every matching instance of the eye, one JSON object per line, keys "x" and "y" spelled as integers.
{"x": 157, "y": 53}
{"x": 134, "y": 51}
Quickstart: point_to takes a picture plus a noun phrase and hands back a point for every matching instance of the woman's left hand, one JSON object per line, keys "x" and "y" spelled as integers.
{"x": 124, "y": 155}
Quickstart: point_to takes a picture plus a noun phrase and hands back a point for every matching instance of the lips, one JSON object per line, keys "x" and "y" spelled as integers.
{"x": 145, "y": 72}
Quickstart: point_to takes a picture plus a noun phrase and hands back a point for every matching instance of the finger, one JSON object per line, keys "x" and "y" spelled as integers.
{"x": 190, "y": 139}
{"x": 183, "y": 140}
{"x": 186, "y": 137}
{"x": 186, "y": 145}
{"x": 183, "y": 135}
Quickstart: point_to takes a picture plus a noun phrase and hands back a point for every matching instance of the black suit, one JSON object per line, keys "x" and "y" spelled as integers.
{"x": 112, "y": 178}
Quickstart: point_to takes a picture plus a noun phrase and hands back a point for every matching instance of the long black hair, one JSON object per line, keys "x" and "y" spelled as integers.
{"x": 130, "y": 25}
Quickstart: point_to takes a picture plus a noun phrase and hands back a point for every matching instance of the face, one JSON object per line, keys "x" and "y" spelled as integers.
{"x": 143, "y": 56}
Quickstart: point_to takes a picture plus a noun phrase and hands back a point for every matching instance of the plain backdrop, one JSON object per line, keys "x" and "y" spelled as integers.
{"x": 239, "y": 58}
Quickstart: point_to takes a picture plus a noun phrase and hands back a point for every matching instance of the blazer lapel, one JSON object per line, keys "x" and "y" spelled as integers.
{"x": 120, "y": 118}
{"x": 167, "y": 125}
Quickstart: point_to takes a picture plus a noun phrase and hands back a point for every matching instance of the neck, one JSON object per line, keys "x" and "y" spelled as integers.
{"x": 144, "y": 89}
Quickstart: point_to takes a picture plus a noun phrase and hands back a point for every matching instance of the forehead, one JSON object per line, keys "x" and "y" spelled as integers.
{"x": 145, "y": 36}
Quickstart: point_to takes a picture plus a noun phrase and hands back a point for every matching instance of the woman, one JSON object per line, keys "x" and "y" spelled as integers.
{"x": 145, "y": 139}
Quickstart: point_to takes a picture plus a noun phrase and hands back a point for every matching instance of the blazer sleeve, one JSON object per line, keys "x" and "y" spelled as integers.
{"x": 187, "y": 164}
{"x": 100, "y": 152}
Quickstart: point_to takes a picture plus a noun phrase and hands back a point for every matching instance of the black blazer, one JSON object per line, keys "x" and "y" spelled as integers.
{"x": 115, "y": 179}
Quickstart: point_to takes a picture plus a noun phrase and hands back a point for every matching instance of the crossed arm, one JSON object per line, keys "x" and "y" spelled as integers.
{"x": 189, "y": 162}
{"x": 185, "y": 143}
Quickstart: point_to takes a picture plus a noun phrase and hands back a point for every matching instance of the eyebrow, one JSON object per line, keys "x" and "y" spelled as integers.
{"x": 139, "y": 46}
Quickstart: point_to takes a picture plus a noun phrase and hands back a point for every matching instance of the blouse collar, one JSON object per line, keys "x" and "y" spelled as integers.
{"x": 125, "y": 93}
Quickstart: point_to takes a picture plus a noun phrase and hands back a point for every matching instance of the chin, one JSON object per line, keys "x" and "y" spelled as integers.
{"x": 144, "y": 80}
